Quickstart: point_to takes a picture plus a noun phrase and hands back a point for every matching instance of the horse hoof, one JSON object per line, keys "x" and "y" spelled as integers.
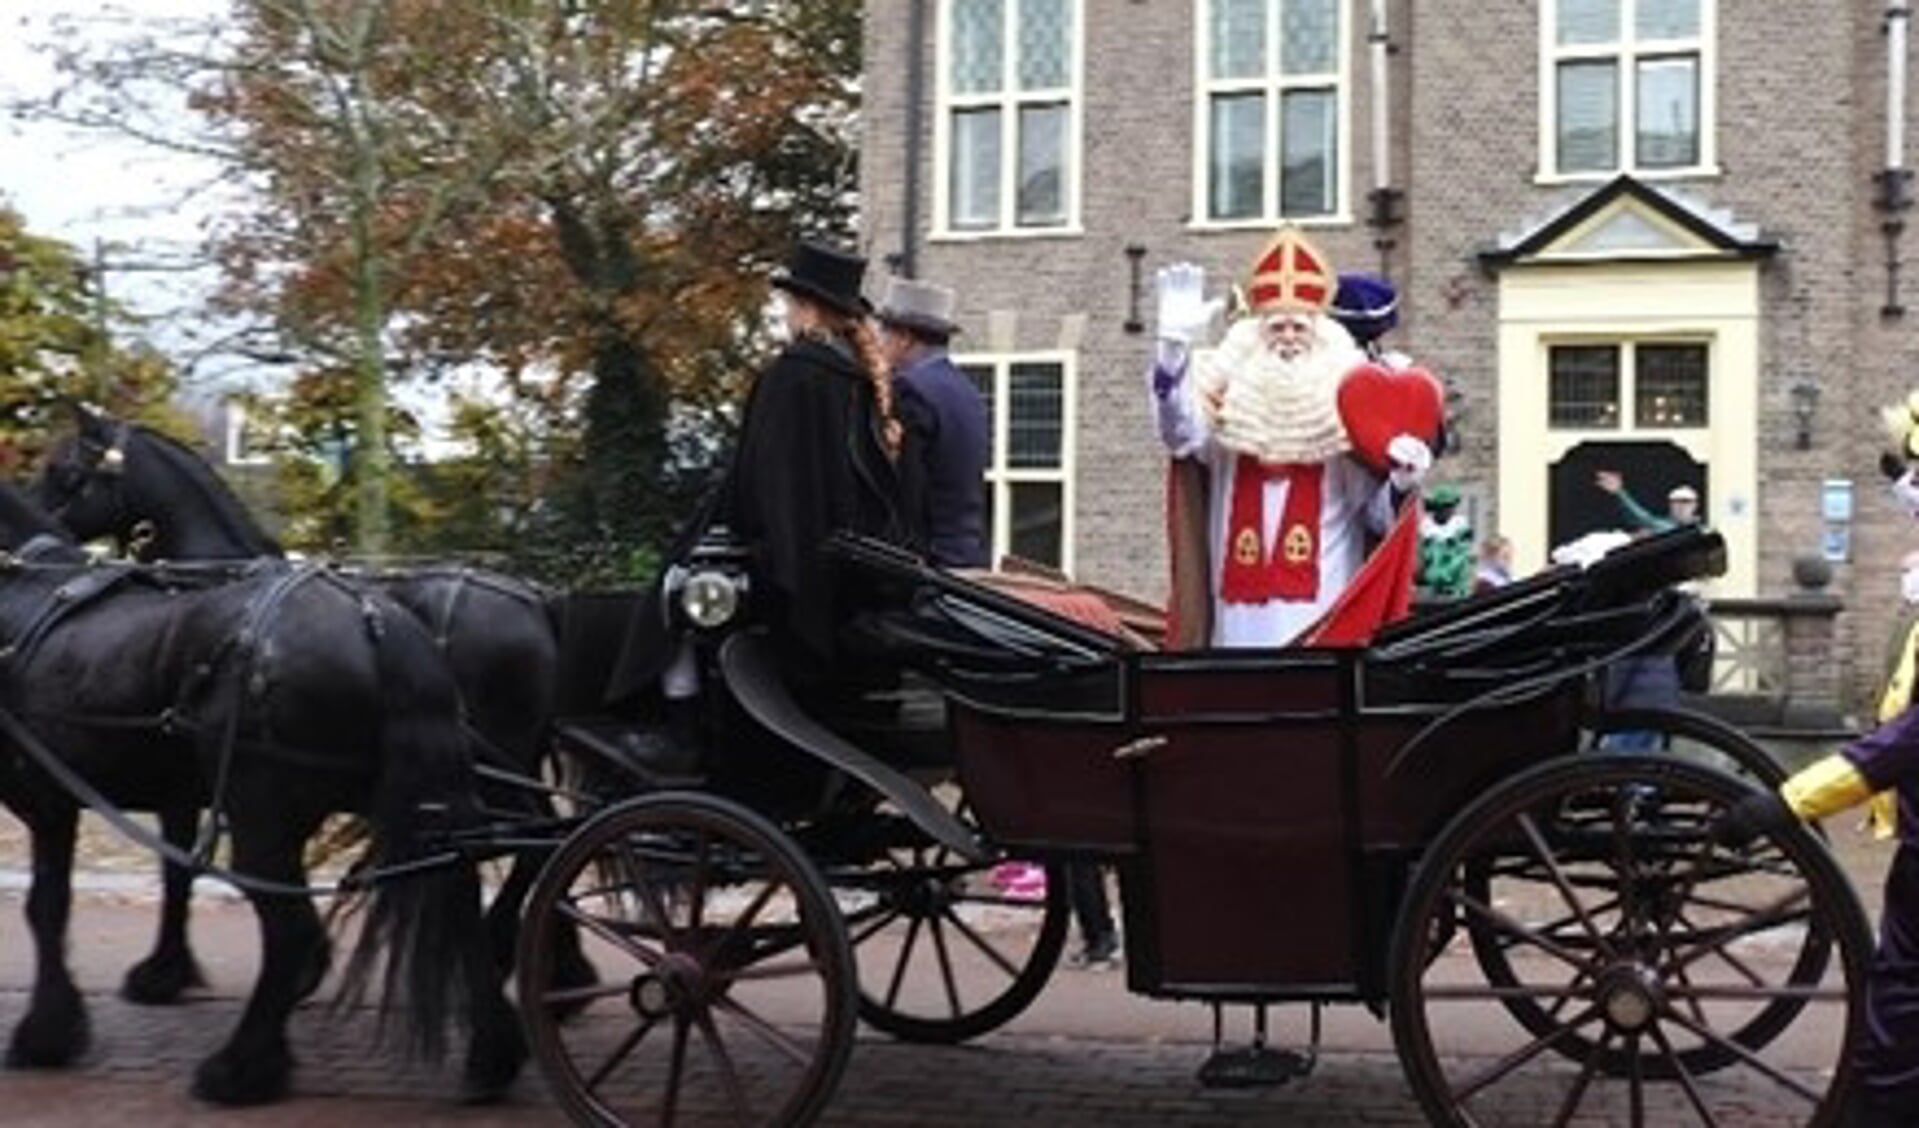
{"x": 573, "y": 970}
{"x": 493, "y": 1061}
{"x": 228, "y": 1079}
{"x": 53, "y": 1038}
{"x": 159, "y": 982}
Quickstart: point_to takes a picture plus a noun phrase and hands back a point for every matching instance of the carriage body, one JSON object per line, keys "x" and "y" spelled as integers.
{"x": 1308, "y": 824}
{"x": 1261, "y": 840}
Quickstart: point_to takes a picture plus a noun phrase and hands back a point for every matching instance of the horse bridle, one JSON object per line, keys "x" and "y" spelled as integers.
{"x": 108, "y": 464}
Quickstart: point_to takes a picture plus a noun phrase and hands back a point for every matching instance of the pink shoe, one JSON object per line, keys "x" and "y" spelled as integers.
{"x": 1021, "y": 881}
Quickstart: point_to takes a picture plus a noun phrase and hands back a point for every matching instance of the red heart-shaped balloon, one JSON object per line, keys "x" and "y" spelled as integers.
{"x": 1377, "y": 403}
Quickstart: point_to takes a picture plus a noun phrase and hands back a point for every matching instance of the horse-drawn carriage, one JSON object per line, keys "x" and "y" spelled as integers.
{"x": 1425, "y": 827}
{"x": 1430, "y": 826}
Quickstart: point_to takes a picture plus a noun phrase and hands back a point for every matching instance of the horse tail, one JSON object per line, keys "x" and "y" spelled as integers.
{"x": 417, "y": 924}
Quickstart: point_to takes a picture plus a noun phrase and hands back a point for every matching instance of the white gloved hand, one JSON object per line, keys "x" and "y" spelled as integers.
{"x": 1906, "y": 489}
{"x": 1411, "y": 459}
{"x": 1184, "y": 311}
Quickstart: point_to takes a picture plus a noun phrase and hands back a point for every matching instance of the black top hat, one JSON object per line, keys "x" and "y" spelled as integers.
{"x": 826, "y": 275}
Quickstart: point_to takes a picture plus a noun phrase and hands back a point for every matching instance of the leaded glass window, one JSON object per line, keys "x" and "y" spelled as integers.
{"x": 1030, "y": 472}
{"x": 1271, "y": 90}
{"x": 1010, "y": 113}
{"x": 1628, "y": 85}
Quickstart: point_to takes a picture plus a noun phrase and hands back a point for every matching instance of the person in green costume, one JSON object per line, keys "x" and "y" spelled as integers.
{"x": 1445, "y": 548}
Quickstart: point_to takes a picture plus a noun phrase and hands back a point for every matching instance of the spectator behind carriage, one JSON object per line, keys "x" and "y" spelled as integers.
{"x": 945, "y": 418}
{"x": 1682, "y": 505}
{"x": 816, "y": 455}
{"x": 1649, "y": 681}
{"x": 1495, "y": 564}
{"x": 950, "y": 447}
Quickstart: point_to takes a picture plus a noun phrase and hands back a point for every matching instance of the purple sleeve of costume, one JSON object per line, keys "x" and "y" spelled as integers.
{"x": 1888, "y": 755}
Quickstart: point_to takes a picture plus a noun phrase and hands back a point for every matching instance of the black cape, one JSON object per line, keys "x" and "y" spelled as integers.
{"x": 810, "y": 462}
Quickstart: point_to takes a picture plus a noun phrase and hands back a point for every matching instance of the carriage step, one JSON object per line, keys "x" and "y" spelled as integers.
{"x": 1252, "y": 1067}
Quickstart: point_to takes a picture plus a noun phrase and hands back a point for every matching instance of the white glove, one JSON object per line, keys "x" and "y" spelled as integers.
{"x": 1184, "y": 311}
{"x": 1906, "y": 490}
{"x": 1411, "y": 458}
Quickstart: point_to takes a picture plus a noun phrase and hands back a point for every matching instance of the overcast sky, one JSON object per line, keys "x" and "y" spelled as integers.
{"x": 141, "y": 203}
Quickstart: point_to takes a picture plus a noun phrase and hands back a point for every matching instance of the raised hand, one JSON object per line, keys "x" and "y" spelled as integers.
{"x": 1184, "y": 310}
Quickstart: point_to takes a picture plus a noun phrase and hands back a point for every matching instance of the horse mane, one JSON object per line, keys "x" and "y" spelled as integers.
{"x": 22, "y": 521}
{"x": 221, "y": 500}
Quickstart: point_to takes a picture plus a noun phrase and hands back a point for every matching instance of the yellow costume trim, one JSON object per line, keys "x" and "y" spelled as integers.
{"x": 1827, "y": 787}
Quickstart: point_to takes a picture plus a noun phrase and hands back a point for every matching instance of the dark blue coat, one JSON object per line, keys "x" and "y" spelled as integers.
{"x": 950, "y": 441}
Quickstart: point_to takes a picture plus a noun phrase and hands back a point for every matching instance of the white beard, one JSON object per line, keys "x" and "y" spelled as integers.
{"x": 1275, "y": 409}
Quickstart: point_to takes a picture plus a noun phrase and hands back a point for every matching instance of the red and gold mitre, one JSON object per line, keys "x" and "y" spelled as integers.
{"x": 1290, "y": 276}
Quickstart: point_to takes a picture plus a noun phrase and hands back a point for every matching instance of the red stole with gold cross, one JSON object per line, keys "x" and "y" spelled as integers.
{"x": 1253, "y": 571}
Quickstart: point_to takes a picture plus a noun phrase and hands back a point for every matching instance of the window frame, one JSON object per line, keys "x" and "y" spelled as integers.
{"x": 1626, "y": 53}
{"x": 1000, "y": 476}
{"x": 1628, "y": 345}
{"x": 1272, "y": 84}
{"x": 1007, "y": 100}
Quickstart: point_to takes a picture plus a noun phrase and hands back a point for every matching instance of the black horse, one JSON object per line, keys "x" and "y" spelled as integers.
{"x": 276, "y": 699}
{"x": 117, "y": 479}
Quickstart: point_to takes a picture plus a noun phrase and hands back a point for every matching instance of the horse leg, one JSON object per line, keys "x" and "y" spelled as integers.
{"x": 170, "y": 969}
{"x": 256, "y": 1065}
{"x": 497, "y": 1048}
{"x": 571, "y": 967}
{"x": 54, "y": 1031}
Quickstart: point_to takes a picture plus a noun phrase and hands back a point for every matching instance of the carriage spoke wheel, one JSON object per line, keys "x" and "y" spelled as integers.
{"x": 1699, "y": 741}
{"x": 945, "y": 955}
{"x": 727, "y": 992}
{"x": 1644, "y": 968}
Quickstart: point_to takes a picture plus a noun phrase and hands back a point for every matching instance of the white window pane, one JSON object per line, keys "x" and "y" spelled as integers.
{"x": 1309, "y": 153}
{"x": 975, "y": 168}
{"x": 1588, "y": 21}
{"x": 1236, "y": 178}
{"x": 1239, "y": 38}
{"x": 1588, "y": 117}
{"x": 978, "y": 52}
{"x": 1042, "y": 165}
{"x": 1666, "y": 19}
{"x": 1038, "y": 519}
{"x": 1045, "y": 44}
{"x": 1668, "y": 112}
{"x": 1036, "y": 423}
{"x": 1309, "y": 36}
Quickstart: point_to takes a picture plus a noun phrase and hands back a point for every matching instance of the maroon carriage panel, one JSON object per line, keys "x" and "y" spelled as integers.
{"x": 1246, "y": 868}
{"x": 1046, "y": 786}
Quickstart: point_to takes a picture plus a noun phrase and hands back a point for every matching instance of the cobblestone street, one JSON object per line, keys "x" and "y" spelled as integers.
{"x": 1086, "y": 1054}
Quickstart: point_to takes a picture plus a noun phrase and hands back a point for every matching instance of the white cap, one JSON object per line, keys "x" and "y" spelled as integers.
{"x": 1683, "y": 493}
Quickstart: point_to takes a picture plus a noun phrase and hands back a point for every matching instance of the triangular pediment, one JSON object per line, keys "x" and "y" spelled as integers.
{"x": 1629, "y": 220}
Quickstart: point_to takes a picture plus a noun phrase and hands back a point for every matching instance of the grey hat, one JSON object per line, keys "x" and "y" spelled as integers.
{"x": 918, "y": 305}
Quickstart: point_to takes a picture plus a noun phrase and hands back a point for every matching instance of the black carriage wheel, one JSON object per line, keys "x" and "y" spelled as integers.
{"x": 1674, "y": 943}
{"x": 728, "y": 990}
{"x": 943, "y": 955}
{"x": 1491, "y": 946}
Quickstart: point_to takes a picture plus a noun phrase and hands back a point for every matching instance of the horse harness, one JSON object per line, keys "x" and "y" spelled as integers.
{"x": 97, "y": 581}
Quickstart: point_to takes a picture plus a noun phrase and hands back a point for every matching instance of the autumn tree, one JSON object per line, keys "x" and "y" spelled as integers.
{"x": 60, "y": 339}
{"x": 583, "y": 195}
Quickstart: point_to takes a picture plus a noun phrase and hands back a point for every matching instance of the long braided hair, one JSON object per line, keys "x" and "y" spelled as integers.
{"x": 865, "y": 340}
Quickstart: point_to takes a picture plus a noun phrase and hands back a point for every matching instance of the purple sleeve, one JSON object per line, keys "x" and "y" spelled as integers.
{"x": 1888, "y": 755}
{"x": 1164, "y": 380}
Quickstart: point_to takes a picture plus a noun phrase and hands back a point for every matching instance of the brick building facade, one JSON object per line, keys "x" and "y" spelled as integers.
{"x": 1633, "y": 234}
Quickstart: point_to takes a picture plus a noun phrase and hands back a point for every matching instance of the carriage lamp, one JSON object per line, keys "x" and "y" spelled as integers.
{"x": 1805, "y": 399}
{"x": 710, "y": 599}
